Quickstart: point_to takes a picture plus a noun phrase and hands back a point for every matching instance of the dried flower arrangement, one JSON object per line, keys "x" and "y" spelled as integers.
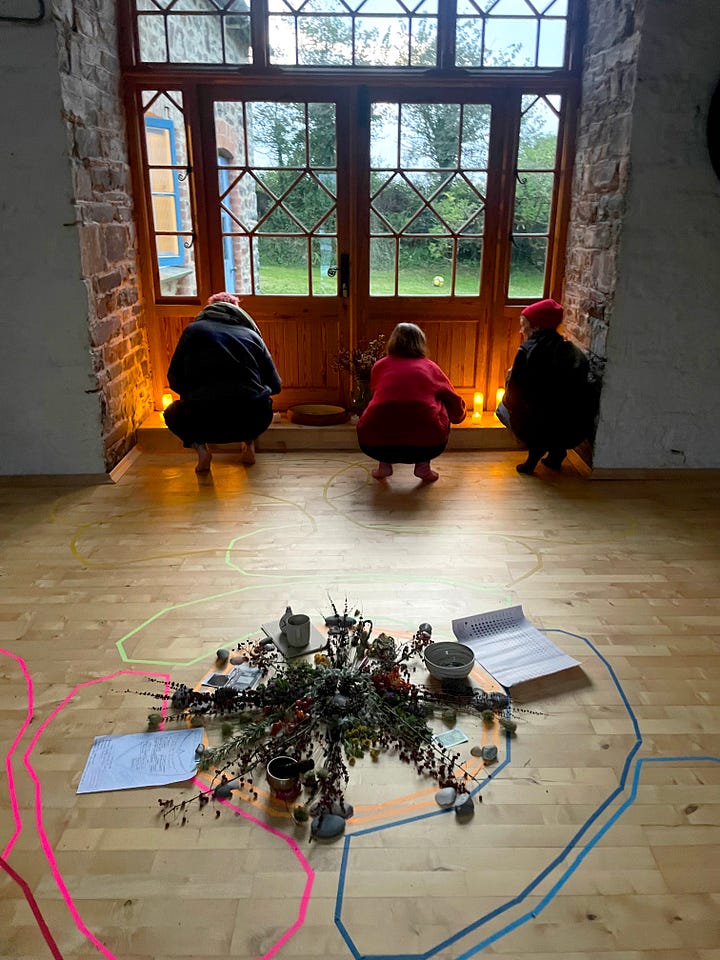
{"x": 356, "y": 699}
{"x": 360, "y": 360}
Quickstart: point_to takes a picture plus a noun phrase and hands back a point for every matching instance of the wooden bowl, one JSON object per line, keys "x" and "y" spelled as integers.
{"x": 317, "y": 414}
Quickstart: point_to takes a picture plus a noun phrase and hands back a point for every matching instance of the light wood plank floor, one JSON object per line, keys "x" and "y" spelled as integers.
{"x": 599, "y": 835}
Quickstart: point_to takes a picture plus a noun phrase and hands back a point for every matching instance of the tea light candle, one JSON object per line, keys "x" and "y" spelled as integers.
{"x": 477, "y": 404}
{"x": 499, "y": 394}
{"x": 166, "y": 400}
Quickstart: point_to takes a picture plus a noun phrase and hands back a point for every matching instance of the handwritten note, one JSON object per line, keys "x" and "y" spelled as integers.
{"x": 140, "y": 760}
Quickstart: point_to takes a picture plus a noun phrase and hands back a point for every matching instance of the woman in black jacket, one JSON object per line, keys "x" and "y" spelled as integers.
{"x": 225, "y": 377}
{"x": 547, "y": 394}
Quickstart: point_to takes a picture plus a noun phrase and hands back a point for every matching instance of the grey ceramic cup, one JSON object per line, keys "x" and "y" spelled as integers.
{"x": 297, "y": 630}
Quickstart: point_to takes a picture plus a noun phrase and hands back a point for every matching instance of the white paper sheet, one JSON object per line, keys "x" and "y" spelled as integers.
{"x": 140, "y": 760}
{"x": 509, "y": 647}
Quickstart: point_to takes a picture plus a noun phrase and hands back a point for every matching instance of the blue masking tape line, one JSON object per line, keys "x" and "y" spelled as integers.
{"x": 572, "y": 867}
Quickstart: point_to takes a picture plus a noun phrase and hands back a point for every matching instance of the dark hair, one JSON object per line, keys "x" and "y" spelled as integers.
{"x": 407, "y": 340}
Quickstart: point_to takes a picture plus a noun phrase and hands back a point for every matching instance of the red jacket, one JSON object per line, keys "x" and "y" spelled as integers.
{"x": 413, "y": 404}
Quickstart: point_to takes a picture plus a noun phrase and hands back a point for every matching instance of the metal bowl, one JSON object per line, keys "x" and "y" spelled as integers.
{"x": 283, "y": 776}
{"x": 449, "y": 660}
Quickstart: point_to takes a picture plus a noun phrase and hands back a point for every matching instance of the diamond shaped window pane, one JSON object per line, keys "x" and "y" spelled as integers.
{"x": 307, "y": 202}
{"x": 246, "y": 201}
{"x": 457, "y": 204}
{"x": 397, "y": 202}
{"x": 279, "y": 221}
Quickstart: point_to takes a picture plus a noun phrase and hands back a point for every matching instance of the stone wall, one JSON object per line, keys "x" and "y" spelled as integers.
{"x": 93, "y": 112}
{"x": 601, "y": 171}
{"x": 659, "y": 393}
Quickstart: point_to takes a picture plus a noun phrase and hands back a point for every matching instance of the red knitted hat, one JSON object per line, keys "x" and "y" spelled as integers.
{"x": 544, "y": 315}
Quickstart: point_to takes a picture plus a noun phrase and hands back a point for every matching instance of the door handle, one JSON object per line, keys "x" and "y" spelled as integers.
{"x": 344, "y": 274}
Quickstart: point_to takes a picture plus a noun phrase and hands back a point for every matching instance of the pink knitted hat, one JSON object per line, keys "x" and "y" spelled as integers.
{"x": 544, "y": 315}
{"x": 224, "y": 298}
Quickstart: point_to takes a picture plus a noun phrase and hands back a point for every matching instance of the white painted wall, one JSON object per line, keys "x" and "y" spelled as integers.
{"x": 661, "y": 390}
{"x": 49, "y": 423}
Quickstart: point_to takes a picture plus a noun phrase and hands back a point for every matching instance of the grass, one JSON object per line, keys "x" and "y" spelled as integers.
{"x": 282, "y": 280}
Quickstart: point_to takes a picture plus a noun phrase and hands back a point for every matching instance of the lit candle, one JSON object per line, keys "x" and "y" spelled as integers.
{"x": 166, "y": 400}
{"x": 477, "y": 403}
{"x": 499, "y": 394}
{"x": 476, "y": 417}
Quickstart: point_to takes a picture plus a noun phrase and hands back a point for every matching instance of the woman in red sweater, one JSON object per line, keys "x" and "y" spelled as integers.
{"x": 413, "y": 404}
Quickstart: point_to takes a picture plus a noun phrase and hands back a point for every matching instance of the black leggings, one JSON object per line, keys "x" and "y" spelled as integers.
{"x": 229, "y": 421}
{"x": 398, "y": 454}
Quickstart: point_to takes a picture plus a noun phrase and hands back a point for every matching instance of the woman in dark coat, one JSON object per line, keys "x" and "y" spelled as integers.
{"x": 547, "y": 396}
{"x": 225, "y": 377}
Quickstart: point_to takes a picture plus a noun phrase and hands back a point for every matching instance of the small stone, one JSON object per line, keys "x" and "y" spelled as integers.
{"x": 222, "y": 655}
{"x": 489, "y": 754}
{"x": 238, "y": 658}
{"x": 507, "y": 724}
{"x": 342, "y": 809}
{"x": 327, "y": 826}
{"x": 446, "y": 797}
{"x": 465, "y": 807}
{"x": 476, "y": 751}
{"x": 223, "y": 791}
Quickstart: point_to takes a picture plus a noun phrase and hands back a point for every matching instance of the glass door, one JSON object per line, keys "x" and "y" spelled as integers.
{"x": 277, "y": 212}
{"x": 434, "y": 206}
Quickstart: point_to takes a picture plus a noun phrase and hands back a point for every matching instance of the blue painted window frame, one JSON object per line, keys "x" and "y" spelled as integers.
{"x": 169, "y": 260}
{"x": 226, "y": 223}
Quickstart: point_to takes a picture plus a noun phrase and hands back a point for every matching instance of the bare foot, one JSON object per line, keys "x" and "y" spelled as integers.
{"x": 382, "y": 470}
{"x": 248, "y": 453}
{"x": 423, "y": 472}
{"x": 204, "y": 458}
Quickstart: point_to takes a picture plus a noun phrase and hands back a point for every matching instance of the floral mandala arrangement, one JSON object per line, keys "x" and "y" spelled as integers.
{"x": 355, "y": 699}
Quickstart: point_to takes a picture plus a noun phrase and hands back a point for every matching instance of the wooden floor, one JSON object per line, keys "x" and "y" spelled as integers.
{"x": 599, "y": 832}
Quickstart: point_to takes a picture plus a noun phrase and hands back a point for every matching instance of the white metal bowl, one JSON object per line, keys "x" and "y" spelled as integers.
{"x": 449, "y": 660}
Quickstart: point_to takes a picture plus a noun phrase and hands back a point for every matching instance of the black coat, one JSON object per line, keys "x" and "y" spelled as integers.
{"x": 225, "y": 376}
{"x": 219, "y": 353}
{"x": 548, "y": 394}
